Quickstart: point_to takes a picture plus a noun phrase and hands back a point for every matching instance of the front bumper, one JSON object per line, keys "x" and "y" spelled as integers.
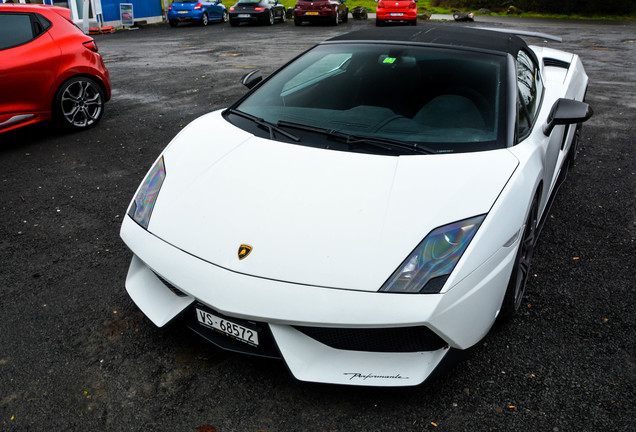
{"x": 459, "y": 318}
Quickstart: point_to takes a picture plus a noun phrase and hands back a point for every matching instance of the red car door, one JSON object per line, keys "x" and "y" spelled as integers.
{"x": 28, "y": 70}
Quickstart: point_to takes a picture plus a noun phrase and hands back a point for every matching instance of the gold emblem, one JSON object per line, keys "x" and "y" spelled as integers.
{"x": 243, "y": 251}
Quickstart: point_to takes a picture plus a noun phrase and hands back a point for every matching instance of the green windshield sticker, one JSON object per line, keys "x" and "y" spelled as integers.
{"x": 389, "y": 60}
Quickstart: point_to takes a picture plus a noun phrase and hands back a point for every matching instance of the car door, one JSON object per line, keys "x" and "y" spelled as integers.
{"x": 215, "y": 10}
{"x": 277, "y": 8}
{"x": 340, "y": 8}
{"x": 29, "y": 62}
{"x": 530, "y": 95}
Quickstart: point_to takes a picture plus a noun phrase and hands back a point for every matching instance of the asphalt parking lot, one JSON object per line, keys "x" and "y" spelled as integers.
{"x": 77, "y": 354}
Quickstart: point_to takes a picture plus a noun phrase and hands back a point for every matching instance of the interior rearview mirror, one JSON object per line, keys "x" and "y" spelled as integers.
{"x": 567, "y": 111}
{"x": 250, "y": 79}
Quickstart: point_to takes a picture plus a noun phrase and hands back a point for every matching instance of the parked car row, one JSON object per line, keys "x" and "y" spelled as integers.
{"x": 258, "y": 12}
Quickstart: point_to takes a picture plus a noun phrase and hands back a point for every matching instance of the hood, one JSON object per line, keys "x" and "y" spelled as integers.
{"x": 313, "y": 216}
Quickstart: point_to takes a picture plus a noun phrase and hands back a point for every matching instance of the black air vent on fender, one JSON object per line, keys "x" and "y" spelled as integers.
{"x": 556, "y": 63}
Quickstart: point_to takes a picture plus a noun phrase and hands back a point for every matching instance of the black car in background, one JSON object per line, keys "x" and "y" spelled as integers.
{"x": 257, "y": 11}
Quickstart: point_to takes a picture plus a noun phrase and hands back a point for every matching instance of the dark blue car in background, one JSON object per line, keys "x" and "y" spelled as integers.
{"x": 202, "y": 12}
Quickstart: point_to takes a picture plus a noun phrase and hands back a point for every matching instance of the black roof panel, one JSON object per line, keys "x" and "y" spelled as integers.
{"x": 469, "y": 37}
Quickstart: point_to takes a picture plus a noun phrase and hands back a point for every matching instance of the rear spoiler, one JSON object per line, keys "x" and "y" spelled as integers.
{"x": 524, "y": 33}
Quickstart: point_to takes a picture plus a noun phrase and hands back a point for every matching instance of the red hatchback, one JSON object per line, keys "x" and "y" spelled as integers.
{"x": 48, "y": 69}
{"x": 396, "y": 11}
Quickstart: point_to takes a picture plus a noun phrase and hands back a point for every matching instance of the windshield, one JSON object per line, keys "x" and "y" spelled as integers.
{"x": 446, "y": 99}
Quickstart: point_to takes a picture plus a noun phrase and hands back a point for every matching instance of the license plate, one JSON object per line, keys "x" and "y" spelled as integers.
{"x": 228, "y": 328}
{"x": 397, "y": 14}
{"x": 183, "y": 12}
{"x": 244, "y": 15}
{"x": 312, "y": 13}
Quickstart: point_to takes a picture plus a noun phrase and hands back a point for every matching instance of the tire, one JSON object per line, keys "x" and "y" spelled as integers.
{"x": 204, "y": 19}
{"x": 283, "y": 18}
{"x": 78, "y": 103}
{"x": 414, "y": 22}
{"x": 270, "y": 20}
{"x": 297, "y": 22}
{"x": 574, "y": 147}
{"x": 346, "y": 16}
{"x": 379, "y": 23}
{"x": 226, "y": 16}
{"x": 521, "y": 270}
{"x": 336, "y": 20}
{"x": 173, "y": 23}
{"x": 234, "y": 23}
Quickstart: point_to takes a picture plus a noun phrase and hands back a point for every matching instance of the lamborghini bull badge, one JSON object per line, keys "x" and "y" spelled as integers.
{"x": 243, "y": 251}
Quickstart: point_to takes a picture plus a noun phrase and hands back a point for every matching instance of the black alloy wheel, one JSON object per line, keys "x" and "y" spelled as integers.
{"x": 523, "y": 260}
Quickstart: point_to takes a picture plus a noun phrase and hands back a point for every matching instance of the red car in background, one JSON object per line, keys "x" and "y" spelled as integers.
{"x": 322, "y": 11}
{"x": 49, "y": 69}
{"x": 396, "y": 11}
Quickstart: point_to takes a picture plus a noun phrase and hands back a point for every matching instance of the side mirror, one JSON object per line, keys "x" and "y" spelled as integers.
{"x": 567, "y": 111}
{"x": 250, "y": 79}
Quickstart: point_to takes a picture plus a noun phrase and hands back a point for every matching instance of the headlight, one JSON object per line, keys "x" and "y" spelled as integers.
{"x": 433, "y": 260}
{"x": 141, "y": 208}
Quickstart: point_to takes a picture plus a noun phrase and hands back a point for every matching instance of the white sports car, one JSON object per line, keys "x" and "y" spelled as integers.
{"x": 366, "y": 211}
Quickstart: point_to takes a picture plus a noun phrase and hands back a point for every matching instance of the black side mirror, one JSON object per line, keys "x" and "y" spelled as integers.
{"x": 250, "y": 79}
{"x": 567, "y": 111}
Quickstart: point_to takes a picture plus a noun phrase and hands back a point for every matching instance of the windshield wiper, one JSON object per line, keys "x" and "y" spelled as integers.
{"x": 263, "y": 124}
{"x": 384, "y": 143}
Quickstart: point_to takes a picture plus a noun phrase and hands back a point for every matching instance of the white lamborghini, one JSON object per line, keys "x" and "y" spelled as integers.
{"x": 367, "y": 210}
